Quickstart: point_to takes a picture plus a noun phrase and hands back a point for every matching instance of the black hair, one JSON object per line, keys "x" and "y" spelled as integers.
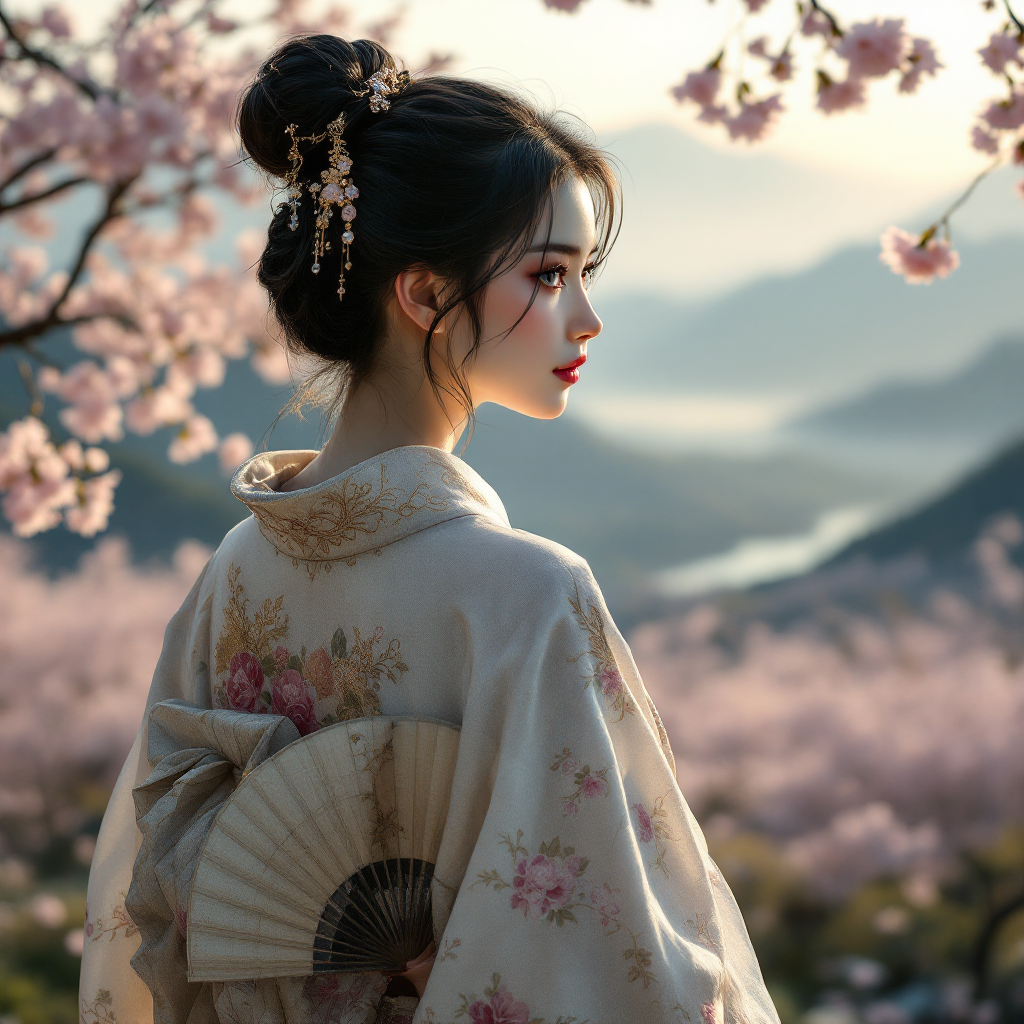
{"x": 454, "y": 177}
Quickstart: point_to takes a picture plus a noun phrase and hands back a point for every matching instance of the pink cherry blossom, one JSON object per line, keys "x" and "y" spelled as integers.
{"x": 244, "y": 685}
{"x": 699, "y": 86}
{"x": 753, "y": 6}
{"x": 569, "y": 765}
{"x": 644, "y": 827}
{"x": 782, "y": 67}
{"x": 1001, "y": 50}
{"x": 196, "y": 437}
{"x": 233, "y": 451}
{"x": 754, "y": 119}
{"x": 918, "y": 264}
{"x": 815, "y": 23}
{"x": 835, "y": 96}
{"x": 922, "y": 60}
{"x": 95, "y": 503}
{"x": 593, "y": 786}
{"x": 562, "y": 5}
{"x": 874, "y": 48}
{"x": 1006, "y": 115}
{"x": 569, "y": 807}
{"x": 984, "y": 141}
{"x": 541, "y": 885}
{"x": 502, "y": 1008}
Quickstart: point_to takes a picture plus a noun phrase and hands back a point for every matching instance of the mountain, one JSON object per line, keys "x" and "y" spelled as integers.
{"x": 980, "y": 402}
{"x": 815, "y": 335}
{"x": 946, "y": 527}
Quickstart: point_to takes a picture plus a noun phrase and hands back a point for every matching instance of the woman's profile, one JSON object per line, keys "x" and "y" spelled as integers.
{"x": 433, "y": 250}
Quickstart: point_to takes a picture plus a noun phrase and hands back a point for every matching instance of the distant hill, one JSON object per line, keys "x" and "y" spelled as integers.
{"x": 820, "y": 334}
{"x": 946, "y": 527}
{"x": 982, "y": 402}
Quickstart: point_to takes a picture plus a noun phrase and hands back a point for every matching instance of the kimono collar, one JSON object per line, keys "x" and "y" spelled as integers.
{"x": 375, "y": 503}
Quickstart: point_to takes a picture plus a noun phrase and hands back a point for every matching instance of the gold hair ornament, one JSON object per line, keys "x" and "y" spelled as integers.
{"x": 336, "y": 187}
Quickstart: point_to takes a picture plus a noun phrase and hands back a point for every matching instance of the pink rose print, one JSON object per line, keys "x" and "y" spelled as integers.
{"x": 501, "y": 1008}
{"x": 707, "y": 1011}
{"x": 569, "y": 807}
{"x": 319, "y": 673}
{"x": 569, "y": 765}
{"x": 611, "y": 681}
{"x": 244, "y": 683}
{"x": 592, "y": 786}
{"x": 281, "y": 657}
{"x": 292, "y": 697}
{"x": 604, "y": 902}
{"x": 644, "y": 828}
{"x": 542, "y": 885}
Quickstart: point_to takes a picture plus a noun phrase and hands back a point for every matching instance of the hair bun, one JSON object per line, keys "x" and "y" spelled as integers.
{"x": 308, "y": 81}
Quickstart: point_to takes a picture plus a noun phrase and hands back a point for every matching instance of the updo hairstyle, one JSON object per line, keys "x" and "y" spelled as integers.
{"x": 454, "y": 178}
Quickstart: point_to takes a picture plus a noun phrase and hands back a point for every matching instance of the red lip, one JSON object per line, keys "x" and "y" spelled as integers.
{"x": 570, "y": 373}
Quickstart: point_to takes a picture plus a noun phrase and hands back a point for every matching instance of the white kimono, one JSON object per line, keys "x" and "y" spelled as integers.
{"x": 573, "y": 883}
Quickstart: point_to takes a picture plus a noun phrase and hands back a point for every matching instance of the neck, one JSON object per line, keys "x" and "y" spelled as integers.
{"x": 389, "y": 411}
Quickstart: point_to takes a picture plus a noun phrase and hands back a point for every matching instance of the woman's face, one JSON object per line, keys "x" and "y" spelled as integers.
{"x": 531, "y": 367}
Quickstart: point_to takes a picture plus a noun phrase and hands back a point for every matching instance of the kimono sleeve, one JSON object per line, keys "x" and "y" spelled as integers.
{"x": 573, "y": 881}
{"x": 109, "y": 989}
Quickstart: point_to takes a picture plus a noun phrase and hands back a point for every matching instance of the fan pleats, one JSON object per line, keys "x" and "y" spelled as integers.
{"x": 322, "y": 858}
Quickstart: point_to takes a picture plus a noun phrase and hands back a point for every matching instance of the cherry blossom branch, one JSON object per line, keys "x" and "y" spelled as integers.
{"x": 38, "y": 197}
{"x": 829, "y": 16}
{"x": 1013, "y": 17}
{"x": 43, "y": 58}
{"x": 52, "y": 319}
{"x": 943, "y": 221}
{"x": 27, "y": 166}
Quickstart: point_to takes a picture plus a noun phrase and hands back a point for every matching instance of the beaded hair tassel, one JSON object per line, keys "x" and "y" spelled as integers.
{"x": 336, "y": 187}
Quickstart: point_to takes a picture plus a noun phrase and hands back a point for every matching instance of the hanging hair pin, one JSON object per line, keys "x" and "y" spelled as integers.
{"x": 337, "y": 189}
{"x": 294, "y": 192}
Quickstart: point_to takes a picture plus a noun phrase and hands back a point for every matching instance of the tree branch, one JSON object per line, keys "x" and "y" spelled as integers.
{"x": 27, "y": 166}
{"x": 44, "y": 59}
{"x": 24, "y": 201}
{"x": 1013, "y": 17}
{"x": 52, "y": 319}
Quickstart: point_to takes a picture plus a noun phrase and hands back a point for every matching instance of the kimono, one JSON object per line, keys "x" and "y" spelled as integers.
{"x": 572, "y": 884}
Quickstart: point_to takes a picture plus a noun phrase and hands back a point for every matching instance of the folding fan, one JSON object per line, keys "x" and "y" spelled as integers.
{"x": 322, "y": 858}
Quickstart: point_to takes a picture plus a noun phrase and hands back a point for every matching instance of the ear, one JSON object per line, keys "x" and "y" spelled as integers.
{"x": 417, "y": 293}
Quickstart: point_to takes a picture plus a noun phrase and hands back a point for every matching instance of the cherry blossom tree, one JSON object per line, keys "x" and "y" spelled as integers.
{"x": 743, "y": 85}
{"x": 134, "y": 126}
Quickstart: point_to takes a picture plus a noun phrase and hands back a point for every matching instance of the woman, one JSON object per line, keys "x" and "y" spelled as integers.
{"x": 434, "y": 251}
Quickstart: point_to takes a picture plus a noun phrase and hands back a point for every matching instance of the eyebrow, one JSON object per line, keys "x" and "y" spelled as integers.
{"x": 562, "y": 247}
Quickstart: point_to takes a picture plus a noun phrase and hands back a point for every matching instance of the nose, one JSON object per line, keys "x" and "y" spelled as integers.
{"x": 587, "y": 324}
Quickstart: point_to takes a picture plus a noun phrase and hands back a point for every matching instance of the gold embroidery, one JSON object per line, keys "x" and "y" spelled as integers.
{"x": 450, "y": 945}
{"x": 605, "y": 674}
{"x": 640, "y": 968}
{"x": 702, "y": 931}
{"x": 653, "y": 825}
{"x": 386, "y": 827}
{"x": 239, "y": 632}
{"x": 328, "y": 686}
{"x": 339, "y": 517}
{"x": 100, "y": 1010}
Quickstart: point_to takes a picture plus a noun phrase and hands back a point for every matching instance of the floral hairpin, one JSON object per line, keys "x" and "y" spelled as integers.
{"x": 336, "y": 187}
{"x": 382, "y": 84}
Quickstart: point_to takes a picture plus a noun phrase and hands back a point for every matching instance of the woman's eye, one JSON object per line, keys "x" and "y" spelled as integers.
{"x": 552, "y": 278}
{"x": 588, "y": 276}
